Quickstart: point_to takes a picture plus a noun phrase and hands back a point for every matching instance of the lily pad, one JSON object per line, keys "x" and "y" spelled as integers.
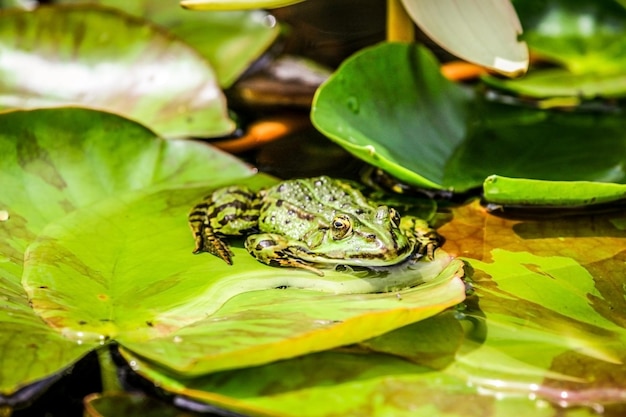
{"x": 517, "y": 191}
{"x": 432, "y": 133}
{"x": 54, "y": 161}
{"x": 584, "y": 37}
{"x": 231, "y": 41}
{"x": 96, "y": 223}
{"x": 543, "y": 334}
{"x": 120, "y": 64}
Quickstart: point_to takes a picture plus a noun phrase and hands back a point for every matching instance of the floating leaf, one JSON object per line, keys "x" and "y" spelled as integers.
{"x": 407, "y": 124}
{"x": 430, "y": 132}
{"x": 119, "y": 64}
{"x": 542, "y": 335}
{"x": 53, "y": 162}
{"x": 97, "y": 223}
{"x": 230, "y": 41}
{"x": 585, "y": 37}
{"x": 483, "y": 32}
{"x": 517, "y": 191}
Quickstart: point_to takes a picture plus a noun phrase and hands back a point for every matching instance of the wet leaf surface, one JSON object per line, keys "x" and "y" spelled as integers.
{"x": 120, "y": 64}
{"x": 47, "y": 171}
{"x": 584, "y": 37}
{"x": 230, "y": 41}
{"x": 98, "y": 249}
{"x": 430, "y": 132}
{"x": 542, "y": 334}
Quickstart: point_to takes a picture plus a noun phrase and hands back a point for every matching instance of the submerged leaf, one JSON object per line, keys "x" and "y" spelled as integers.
{"x": 56, "y": 56}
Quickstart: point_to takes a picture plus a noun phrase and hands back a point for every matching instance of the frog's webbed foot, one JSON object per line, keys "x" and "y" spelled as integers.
{"x": 426, "y": 238}
{"x": 209, "y": 242}
{"x": 275, "y": 250}
{"x": 229, "y": 211}
{"x": 206, "y": 240}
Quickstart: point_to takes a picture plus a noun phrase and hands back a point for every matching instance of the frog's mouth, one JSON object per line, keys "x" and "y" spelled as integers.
{"x": 363, "y": 258}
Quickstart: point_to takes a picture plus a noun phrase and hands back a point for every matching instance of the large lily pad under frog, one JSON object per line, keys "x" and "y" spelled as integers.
{"x": 96, "y": 222}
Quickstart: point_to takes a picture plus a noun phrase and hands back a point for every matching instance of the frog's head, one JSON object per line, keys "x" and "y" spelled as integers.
{"x": 367, "y": 239}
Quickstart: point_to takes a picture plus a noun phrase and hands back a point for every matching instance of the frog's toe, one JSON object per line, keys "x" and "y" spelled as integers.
{"x": 212, "y": 244}
{"x": 428, "y": 243}
{"x": 275, "y": 250}
{"x": 294, "y": 263}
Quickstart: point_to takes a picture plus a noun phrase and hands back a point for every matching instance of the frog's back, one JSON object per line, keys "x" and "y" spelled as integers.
{"x": 293, "y": 207}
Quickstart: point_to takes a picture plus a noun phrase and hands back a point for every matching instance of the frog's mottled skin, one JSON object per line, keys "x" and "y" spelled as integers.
{"x": 309, "y": 223}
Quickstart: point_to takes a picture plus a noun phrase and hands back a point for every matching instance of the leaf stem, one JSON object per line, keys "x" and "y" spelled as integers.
{"x": 108, "y": 370}
{"x": 399, "y": 24}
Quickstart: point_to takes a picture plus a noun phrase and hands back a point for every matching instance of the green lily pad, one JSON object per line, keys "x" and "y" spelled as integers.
{"x": 120, "y": 64}
{"x": 54, "y": 161}
{"x": 553, "y": 83}
{"x": 584, "y": 37}
{"x": 231, "y": 41}
{"x": 190, "y": 305}
{"x": 517, "y": 191}
{"x": 96, "y": 248}
{"x": 543, "y": 334}
{"x": 430, "y": 132}
{"x": 407, "y": 124}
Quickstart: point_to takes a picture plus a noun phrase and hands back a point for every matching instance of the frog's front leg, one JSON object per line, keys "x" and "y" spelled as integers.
{"x": 229, "y": 211}
{"x": 426, "y": 238}
{"x": 276, "y": 250}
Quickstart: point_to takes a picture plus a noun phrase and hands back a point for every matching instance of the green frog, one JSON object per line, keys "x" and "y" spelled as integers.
{"x": 309, "y": 223}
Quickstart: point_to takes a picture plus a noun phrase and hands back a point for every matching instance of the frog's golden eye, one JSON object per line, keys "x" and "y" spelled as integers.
{"x": 395, "y": 217}
{"x": 341, "y": 227}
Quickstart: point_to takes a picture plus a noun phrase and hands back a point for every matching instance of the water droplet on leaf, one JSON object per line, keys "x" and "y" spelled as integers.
{"x": 353, "y": 105}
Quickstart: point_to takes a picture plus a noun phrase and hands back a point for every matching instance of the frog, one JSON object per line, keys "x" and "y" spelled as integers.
{"x": 311, "y": 224}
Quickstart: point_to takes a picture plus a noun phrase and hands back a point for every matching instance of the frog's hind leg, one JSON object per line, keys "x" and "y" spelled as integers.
{"x": 427, "y": 238}
{"x": 276, "y": 250}
{"x": 229, "y": 211}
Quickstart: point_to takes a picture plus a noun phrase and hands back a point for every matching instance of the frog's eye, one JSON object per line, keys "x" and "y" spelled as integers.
{"x": 341, "y": 227}
{"x": 395, "y": 217}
